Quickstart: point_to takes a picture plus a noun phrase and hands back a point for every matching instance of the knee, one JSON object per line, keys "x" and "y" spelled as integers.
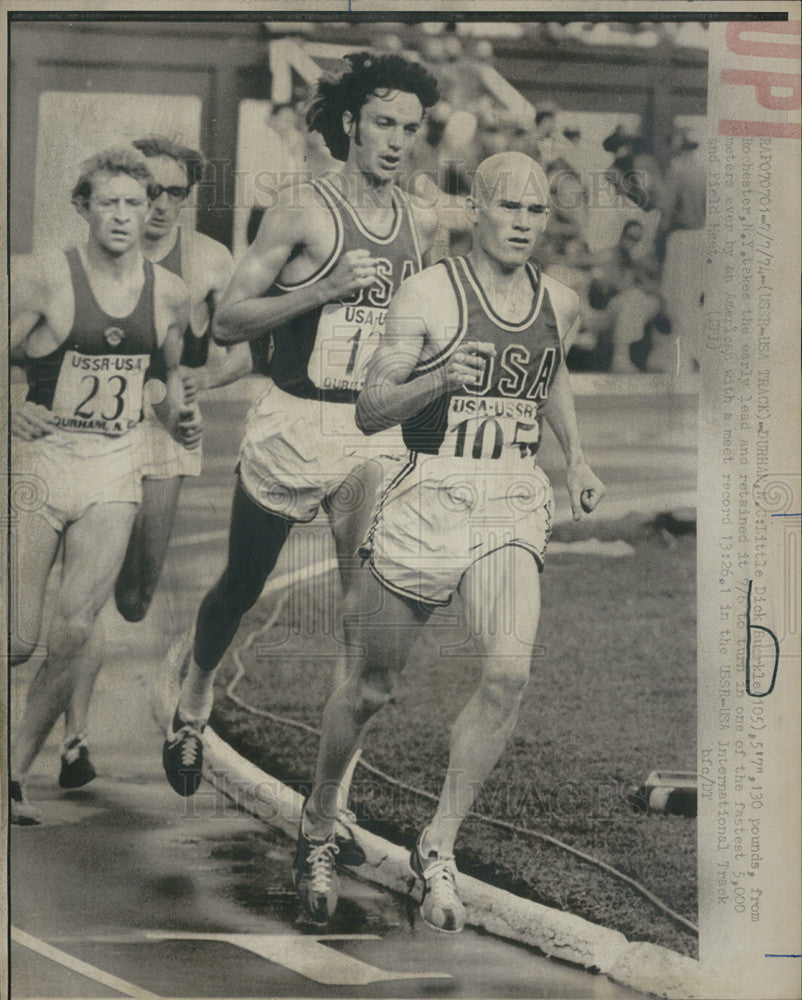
{"x": 71, "y": 629}
{"x": 506, "y": 684}
{"x": 369, "y": 694}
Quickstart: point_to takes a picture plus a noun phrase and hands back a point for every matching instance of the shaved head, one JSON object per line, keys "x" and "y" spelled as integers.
{"x": 509, "y": 207}
{"x": 511, "y": 175}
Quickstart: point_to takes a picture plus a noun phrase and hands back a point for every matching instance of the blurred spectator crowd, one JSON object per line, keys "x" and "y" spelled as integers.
{"x": 639, "y": 277}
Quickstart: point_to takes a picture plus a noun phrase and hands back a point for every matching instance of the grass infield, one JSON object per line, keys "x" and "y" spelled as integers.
{"x": 612, "y": 696}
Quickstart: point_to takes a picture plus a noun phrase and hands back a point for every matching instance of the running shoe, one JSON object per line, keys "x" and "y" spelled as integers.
{"x": 182, "y": 756}
{"x": 351, "y": 854}
{"x": 441, "y": 907}
{"x": 316, "y": 879}
{"x": 76, "y": 767}
{"x": 22, "y": 812}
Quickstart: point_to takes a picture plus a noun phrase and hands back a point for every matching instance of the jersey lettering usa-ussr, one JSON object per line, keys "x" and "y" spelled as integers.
{"x": 500, "y": 416}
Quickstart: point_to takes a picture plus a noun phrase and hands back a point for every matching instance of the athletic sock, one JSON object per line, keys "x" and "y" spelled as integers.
{"x": 345, "y": 785}
{"x": 427, "y": 848}
{"x": 69, "y": 748}
{"x": 197, "y": 695}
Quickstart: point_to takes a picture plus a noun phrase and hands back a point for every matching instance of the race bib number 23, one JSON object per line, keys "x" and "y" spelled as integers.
{"x": 100, "y": 394}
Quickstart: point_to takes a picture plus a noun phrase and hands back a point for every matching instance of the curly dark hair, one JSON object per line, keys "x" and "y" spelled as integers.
{"x": 369, "y": 74}
{"x": 115, "y": 160}
{"x": 159, "y": 145}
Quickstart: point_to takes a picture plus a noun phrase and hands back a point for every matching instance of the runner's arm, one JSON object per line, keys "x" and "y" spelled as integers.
{"x": 183, "y": 422}
{"x": 585, "y": 490}
{"x": 245, "y": 311}
{"x": 225, "y": 364}
{"x": 30, "y": 295}
{"x": 388, "y": 397}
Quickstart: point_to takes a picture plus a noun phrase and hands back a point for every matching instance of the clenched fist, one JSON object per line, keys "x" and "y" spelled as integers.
{"x": 585, "y": 490}
{"x": 466, "y": 365}
{"x": 189, "y": 429}
{"x": 355, "y": 269}
{"x": 31, "y": 421}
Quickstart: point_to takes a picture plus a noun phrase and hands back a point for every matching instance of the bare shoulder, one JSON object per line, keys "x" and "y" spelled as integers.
{"x": 44, "y": 274}
{"x": 427, "y": 298}
{"x": 169, "y": 288}
{"x": 302, "y": 202}
{"x": 422, "y": 287}
{"x": 41, "y": 286}
{"x": 212, "y": 249}
{"x": 298, "y": 216}
{"x": 564, "y": 299}
{"x": 215, "y": 258}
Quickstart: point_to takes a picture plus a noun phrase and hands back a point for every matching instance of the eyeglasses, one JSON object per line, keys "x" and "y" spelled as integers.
{"x": 174, "y": 192}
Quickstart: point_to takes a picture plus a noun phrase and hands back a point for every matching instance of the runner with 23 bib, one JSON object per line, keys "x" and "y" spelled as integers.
{"x": 90, "y": 323}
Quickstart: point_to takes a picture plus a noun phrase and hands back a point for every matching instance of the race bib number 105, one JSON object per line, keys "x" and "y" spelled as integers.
{"x": 482, "y": 429}
{"x": 100, "y": 394}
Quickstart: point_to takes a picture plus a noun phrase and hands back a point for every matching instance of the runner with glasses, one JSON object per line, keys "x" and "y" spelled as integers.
{"x": 206, "y": 267}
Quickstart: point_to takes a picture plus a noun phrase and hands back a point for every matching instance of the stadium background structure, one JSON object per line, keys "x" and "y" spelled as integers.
{"x": 224, "y": 62}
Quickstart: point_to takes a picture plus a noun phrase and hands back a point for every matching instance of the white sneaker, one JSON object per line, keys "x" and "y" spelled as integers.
{"x": 441, "y": 907}
{"x": 316, "y": 880}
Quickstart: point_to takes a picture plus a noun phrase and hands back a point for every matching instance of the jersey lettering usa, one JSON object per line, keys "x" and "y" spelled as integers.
{"x": 323, "y": 353}
{"x": 500, "y": 416}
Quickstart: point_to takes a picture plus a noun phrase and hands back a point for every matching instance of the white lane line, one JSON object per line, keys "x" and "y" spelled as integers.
{"x": 307, "y": 956}
{"x": 76, "y": 965}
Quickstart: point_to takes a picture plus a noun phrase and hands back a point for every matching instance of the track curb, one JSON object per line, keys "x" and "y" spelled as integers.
{"x": 642, "y": 966}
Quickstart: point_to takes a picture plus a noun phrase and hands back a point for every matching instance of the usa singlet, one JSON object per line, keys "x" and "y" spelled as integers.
{"x": 323, "y": 353}
{"x": 93, "y": 381}
{"x": 500, "y": 418}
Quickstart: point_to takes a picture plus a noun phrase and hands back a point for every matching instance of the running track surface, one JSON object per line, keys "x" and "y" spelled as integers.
{"x": 128, "y": 890}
